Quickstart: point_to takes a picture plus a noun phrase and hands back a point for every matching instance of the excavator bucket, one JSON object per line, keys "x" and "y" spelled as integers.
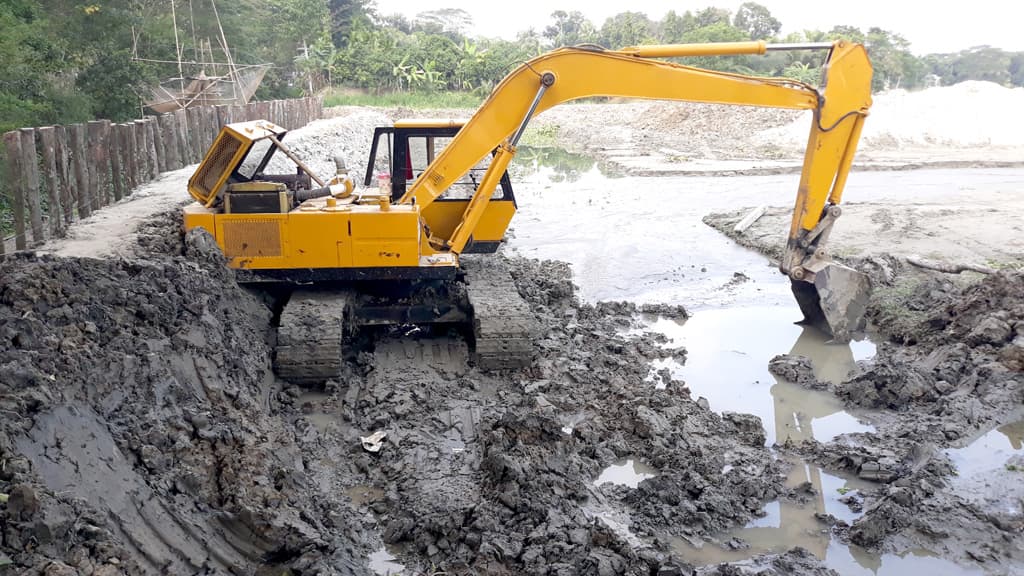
{"x": 835, "y": 301}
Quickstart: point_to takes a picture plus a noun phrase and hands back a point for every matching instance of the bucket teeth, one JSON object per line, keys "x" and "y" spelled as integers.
{"x": 835, "y": 302}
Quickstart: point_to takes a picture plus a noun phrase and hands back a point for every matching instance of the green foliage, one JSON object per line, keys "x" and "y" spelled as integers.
{"x": 626, "y": 29}
{"x": 756, "y": 21}
{"x": 405, "y": 99}
{"x": 63, "y": 62}
{"x": 569, "y": 29}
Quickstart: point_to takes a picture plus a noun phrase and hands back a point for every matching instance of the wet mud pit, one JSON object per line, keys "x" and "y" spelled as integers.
{"x": 148, "y": 435}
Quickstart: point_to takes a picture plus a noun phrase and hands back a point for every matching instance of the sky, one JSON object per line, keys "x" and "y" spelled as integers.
{"x": 930, "y": 26}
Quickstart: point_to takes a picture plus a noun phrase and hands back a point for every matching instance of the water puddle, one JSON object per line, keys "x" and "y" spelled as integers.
{"x": 627, "y": 472}
{"x": 363, "y": 494}
{"x": 310, "y": 402}
{"x": 384, "y": 563}
{"x": 991, "y": 452}
{"x": 728, "y": 351}
{"x": 990, "y": 470}
{"x": 789, "y": 523}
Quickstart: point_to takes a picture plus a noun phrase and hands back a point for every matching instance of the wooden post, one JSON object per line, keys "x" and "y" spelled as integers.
{"x": 67, "y": 193}
{"x": 80, "y": 169}
{"x": 132, "y": 158}
{"x": 154, "y": 165}
{"x": 94, "y": 138}
{"x": 48, "y": 148}
{"x": 223, "y": 115}
{"x": 170, "y": 144}
{"x": 30, "y": 168}
{"x": 107, "y": 175}
{"x": 16, "y": 185}
{"x": 118, "y": 150}
{"x": 141, "y": 151}
{"x": 158, "y": 144}
{"x": 213, "y": 123}
{"x": 195, "y": 134}
{"x": 181, "y": 128}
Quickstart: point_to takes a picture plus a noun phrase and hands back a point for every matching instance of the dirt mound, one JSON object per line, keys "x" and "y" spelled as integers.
{"x": 142, "y": 435}
{"x": 942, "y": 116}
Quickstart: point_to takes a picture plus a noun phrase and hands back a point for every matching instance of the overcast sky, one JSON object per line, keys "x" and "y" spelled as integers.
{"x": 931, "y": 26}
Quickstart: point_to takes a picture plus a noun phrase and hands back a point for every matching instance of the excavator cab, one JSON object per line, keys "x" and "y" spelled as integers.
{"x": 404, "y": 151}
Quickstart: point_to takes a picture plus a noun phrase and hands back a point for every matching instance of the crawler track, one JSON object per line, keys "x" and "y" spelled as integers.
{"x": 310, "y": 337}
{"x": 504, "y": 327}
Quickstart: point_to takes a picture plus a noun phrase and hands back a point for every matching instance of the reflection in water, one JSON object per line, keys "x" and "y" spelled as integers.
{"x": 628, "y": 472}
{"x": 1014, "y": 434}
{"x": 989, "y": 452}
{"x": 728, "y": 351}
{"x": 559, "y": 164}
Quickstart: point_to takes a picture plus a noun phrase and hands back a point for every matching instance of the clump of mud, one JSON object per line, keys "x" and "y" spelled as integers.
{"x": 138, "y": 433}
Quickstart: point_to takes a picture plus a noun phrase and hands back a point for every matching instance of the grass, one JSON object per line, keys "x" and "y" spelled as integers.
{"x": 405, "y": 99}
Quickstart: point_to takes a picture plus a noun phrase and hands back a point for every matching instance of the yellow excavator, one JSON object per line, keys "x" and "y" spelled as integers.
{"x": 394, "y": 253}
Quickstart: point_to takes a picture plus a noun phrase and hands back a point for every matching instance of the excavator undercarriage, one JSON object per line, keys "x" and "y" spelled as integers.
{"x": 316, "y": 324}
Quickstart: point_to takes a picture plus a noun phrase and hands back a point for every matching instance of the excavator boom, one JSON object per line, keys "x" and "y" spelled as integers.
{"x": 830, "y": 296}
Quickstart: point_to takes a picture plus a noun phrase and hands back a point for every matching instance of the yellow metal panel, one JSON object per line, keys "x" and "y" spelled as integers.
{"x": 385, "y": 238}
{"x": 199, "y": 216}
{"x": 319, "y": 240}
{"x": 226, "y": 153}
{"x": 443, "y": 217}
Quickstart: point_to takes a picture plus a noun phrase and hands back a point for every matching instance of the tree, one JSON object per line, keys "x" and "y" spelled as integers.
{"x": 981, "y": 63}
{"x": 626, "y": 29}
{"x": 344, "y": 14}
{"x": 711, "y": 16}
{"x": 756, "y": 21}
{"x": 569, "y": 29}
{"x": 673, "y": 26}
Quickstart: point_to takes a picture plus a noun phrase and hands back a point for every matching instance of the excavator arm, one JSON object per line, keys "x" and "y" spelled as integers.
{"x": 831, "y": 296}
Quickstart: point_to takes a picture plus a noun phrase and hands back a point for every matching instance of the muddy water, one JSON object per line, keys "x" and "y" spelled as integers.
{"x": 642, "y": 239}
{"x": 728, "y": 350}
{"x": 627, "y": 472}
{"x": 384, "y": 563}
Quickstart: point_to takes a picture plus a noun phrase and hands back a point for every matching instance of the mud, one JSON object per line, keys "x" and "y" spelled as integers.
{"x": 949, "y": 373}
{"x": 146, "y": 433}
